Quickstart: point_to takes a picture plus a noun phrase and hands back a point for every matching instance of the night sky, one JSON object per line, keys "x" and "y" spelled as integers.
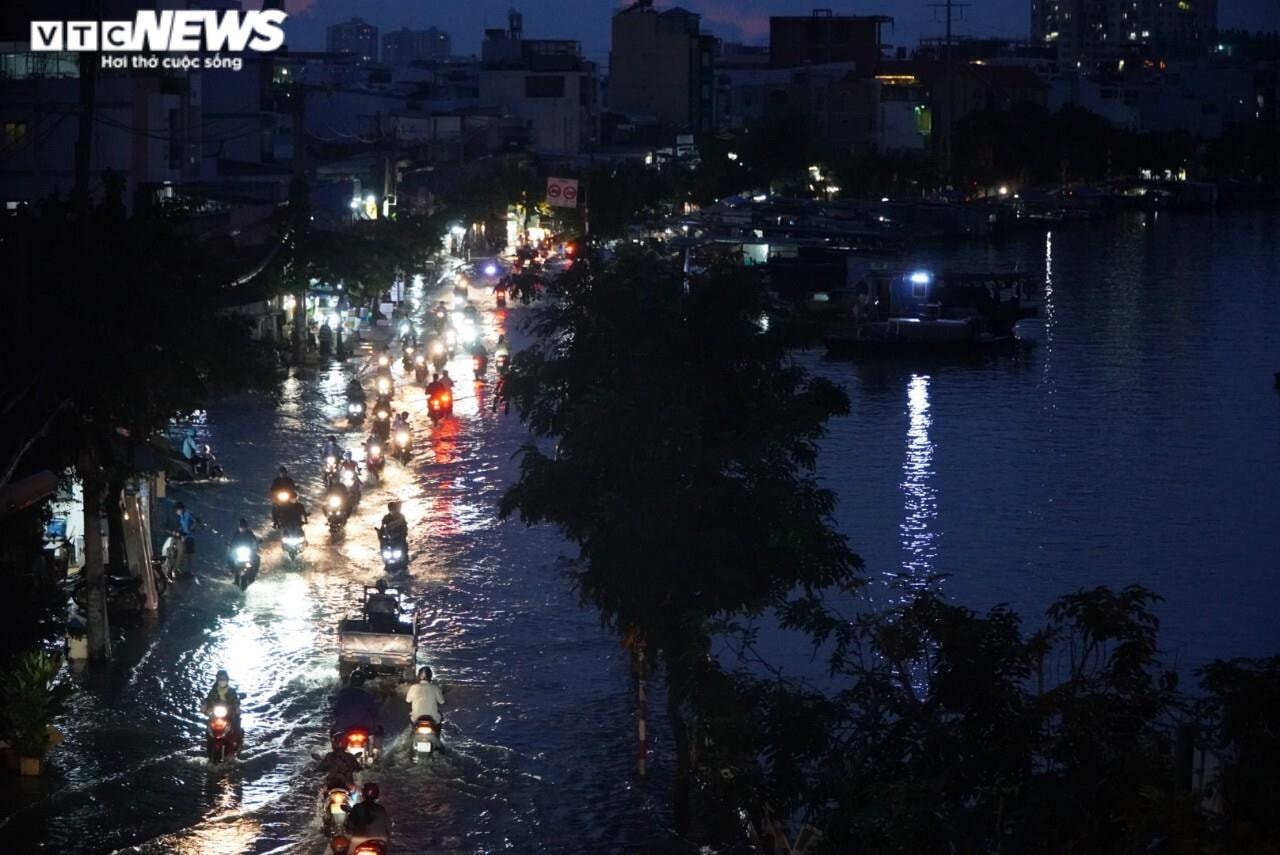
{"x": 732, "y": 20}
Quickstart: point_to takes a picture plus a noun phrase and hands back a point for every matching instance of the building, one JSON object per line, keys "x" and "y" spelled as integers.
{"x": 1090, "y": 31}
{"x": 354, "y": 37}
{"x": 401, "y": 47}
{"x": 660, "y": 66}
{"x": 823, "y": 38}
{"x": 546, "y": 84}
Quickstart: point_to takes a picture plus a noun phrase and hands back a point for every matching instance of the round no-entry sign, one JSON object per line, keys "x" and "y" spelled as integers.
{"x": 553, "y": 191}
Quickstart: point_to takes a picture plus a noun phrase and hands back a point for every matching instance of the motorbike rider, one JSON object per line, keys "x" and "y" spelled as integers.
{"x": 424, "y": 697}
{"x": 194, "y": 453}
{"x": 446, "y": 381}
{"x": 381, "y": 609}
{"x": 244, "y": 536}
{"x": 291, "y": 516}
{"x": 500, "y": 349}
{"x": 395, "y": 528}
{"x": 354, "y": 707}
{"x": 355, "y": 392}
{"x": 401, "y": 423}
{"x": 369, "y": 817}
{"x": 282, "y": 484}
{"x": 337, "y": 488}
{"x": 221, "y": 694}
{"x": 434, "y": 388}
{"x": 331, "y": 447}
{"x": 187, "y": 529}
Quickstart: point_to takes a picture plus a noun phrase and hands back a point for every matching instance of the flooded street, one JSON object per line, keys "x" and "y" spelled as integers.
{"x": 538, "y": 711}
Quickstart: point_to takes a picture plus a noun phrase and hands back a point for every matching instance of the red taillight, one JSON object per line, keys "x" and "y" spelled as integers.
{"x": 444, "y": 399}
{"x": 356, "y": 738}
{"x": 369, "y": 849}
{"x": 218, "y": 726}
{"x": 424, "y": 728}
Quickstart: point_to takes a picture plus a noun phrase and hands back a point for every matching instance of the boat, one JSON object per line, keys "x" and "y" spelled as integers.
{"x": 922, "y": 311}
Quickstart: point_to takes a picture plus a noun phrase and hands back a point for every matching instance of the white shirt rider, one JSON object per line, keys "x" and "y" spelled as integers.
{"x": 424, "y": 698}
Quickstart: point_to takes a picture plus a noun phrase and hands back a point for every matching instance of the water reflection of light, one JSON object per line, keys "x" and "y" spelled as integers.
{"x": 220, "y": 836}
{"x": 921, "y": 504}
{"x": 1049, "y": 318}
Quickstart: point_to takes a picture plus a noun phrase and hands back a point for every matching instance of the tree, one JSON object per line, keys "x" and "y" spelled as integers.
{"x": 140, "y": 335}
{"x": 683, "y": 467}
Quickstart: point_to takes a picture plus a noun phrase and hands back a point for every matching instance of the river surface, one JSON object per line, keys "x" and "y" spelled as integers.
{"x": 1140, "y": 442}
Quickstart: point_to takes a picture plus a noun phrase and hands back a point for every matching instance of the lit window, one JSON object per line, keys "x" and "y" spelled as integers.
{"x": 15, "y": 134}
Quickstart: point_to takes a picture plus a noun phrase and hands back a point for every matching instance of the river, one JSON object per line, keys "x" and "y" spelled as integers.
{"x": 1140, "y": 442}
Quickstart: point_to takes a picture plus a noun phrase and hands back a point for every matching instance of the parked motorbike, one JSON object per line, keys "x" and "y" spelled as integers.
{"x": 124, "y": 590}
{"x": 426, "y": 736}
{"x": 221, "y": 741}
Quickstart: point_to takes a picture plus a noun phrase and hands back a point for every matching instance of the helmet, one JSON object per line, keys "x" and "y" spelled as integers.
{"x": 405, "y": 415}
{"x": 371, "y": 792}
{"x": 191, "y": 431}
{"x": 381, "y": 585}
{"x": 222, "y": 675}
{"x": 424, "y": 673}
{"x": 393, "y": 506}
{"x": 347, "y": 456}
{"x": 244, "y": 523}
{"x": 284, "y": 471}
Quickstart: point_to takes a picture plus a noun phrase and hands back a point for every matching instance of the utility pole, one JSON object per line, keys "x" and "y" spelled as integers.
{"x": 948, "y": 109}
{"x": 300, "y": 217}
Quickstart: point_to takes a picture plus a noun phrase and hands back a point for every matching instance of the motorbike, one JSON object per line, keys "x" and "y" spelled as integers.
{"x": 336, "y": 511}
{"x": 337, "y": 802}
{"x": 350, "y": 479}
{"x": 207, "y": 465}
{"x": 355, "y": 412}
{"x": 365, "y": 842}
{"x": 124, "y": 590}
{"x": 220, "y": 743}
{"x": 330, "y": 468}
{"x": 440, "y": 405}
{"x": 385, "y": 386}
{"x": 395, "y": 554}
{"x": 407, "y": 361}
{"x": 169, "y": 556}
{"x": 374, "y": 461}
{"x": 402, "y": 444}
{"x": 360, "y": 744}
{"x": 439, "y": 355}
{"x": 426, "y": 736}
{"x": 292, "y": 542}
{"x": 503, "y": 361}
{"x": 451, "y": 341}
{"x": 500, "y": 297}
{"x": 242, "y": 561}
{"x": 384, "y": 361}
{"x": 480, "y": 365}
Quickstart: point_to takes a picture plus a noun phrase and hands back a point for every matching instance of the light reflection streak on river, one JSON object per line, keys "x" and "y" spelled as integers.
{"x": 920, "y": 501}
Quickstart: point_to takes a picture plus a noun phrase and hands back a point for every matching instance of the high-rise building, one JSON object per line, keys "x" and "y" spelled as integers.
{"x": 1093, "y": 30}
{"x": 401, "y": 47}
{"x": 355, "y": 37}
{"x": 823, "y": 38}
{"x": 660, "y": 65}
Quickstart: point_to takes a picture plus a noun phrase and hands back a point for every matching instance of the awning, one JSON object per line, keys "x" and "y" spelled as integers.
{"x": 19, "y": 495}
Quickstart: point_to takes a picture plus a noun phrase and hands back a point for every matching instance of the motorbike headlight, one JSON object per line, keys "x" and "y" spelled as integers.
{"x": 383, "y": 360}
{"x": 420, "y": 359}
{"x": 293, "y": 541}
{"x": 437, "y": 348}
{"x": 375, "y": 450}
{"x": 331, "y": 461}
{"x": 348, "y": 477}
{"x": 335, "y": 502}
{"x": 355, "y": 408}
{"x": 395, "y": 553}
{"x": 219, "y": 711}
{"x": 402, "y": 438}
{"x": 409, "y": 350}
{"x": 382, "y": 414}
{"x": 243, "y": 554}
{"x": 282, "y": 496}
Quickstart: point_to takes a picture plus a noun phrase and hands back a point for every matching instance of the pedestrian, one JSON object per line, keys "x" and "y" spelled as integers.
{"x": 187, "y": 529}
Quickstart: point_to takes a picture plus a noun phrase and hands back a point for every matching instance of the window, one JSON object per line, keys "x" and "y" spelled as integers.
{"x": 15, "y": 135}
{"x": 546, "y": 86}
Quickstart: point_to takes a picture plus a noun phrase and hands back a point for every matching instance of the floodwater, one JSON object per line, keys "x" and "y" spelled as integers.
{"x": 538, "y": 698}
{"x": 1140, "y": 442}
